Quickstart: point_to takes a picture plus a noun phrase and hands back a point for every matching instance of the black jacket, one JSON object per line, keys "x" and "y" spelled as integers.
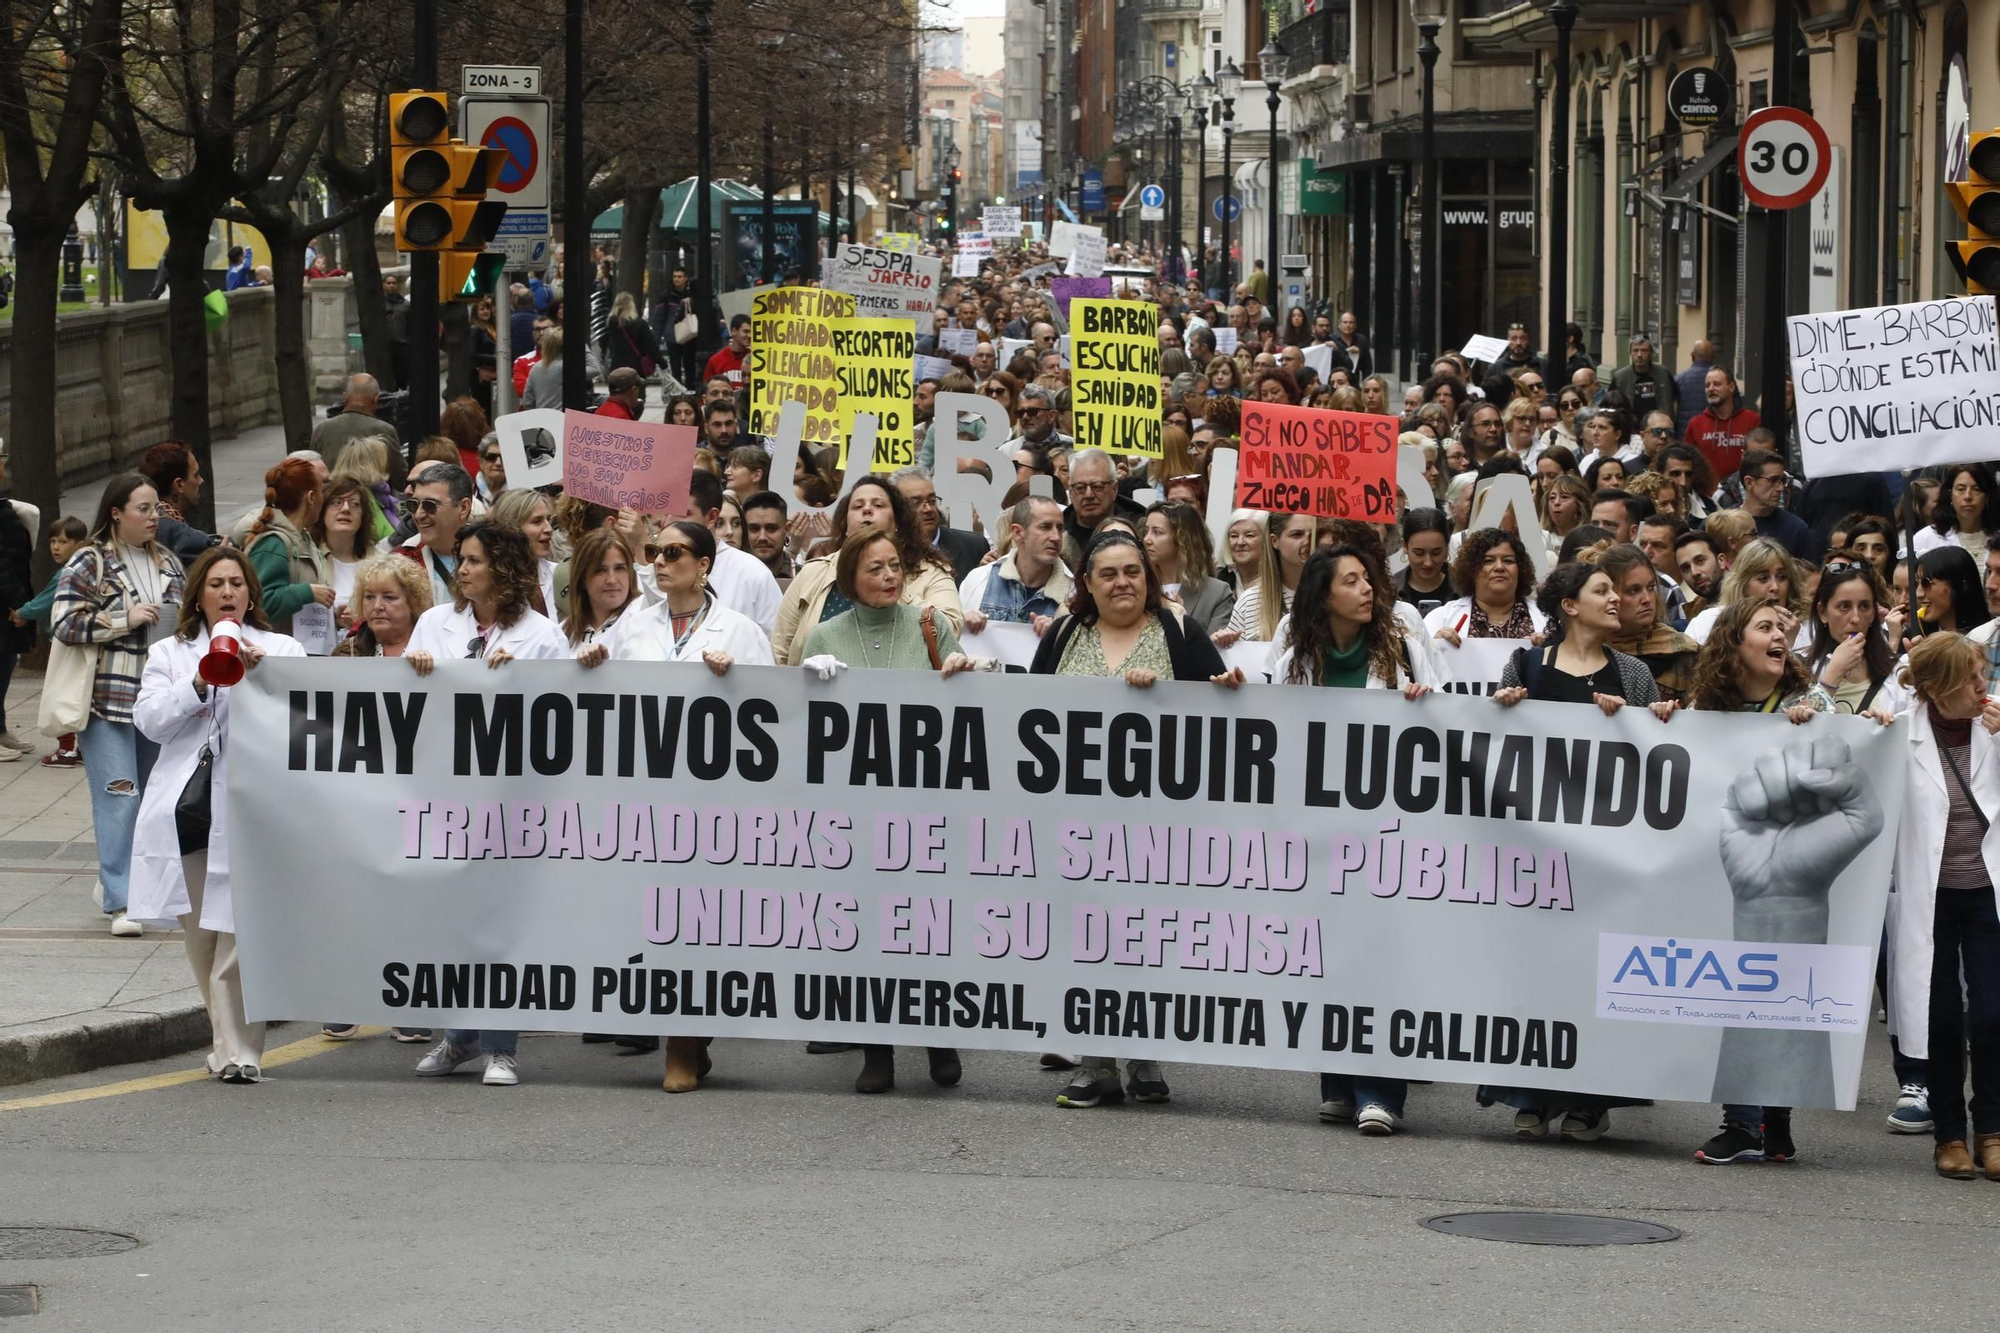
{"x": 1188, "y": 647}
{"x": 17, "y": 550}
{"x": 963, "y": 549}
{"x": 184, "y": 541}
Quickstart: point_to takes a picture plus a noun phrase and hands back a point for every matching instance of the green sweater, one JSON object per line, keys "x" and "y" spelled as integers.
{"x": 271, "y": 559}
{"x": 853, "y": 636}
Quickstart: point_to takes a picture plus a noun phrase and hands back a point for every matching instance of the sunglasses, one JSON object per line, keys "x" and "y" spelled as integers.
{"x": 1659, "y": 430}
{"x": 1532, "y": 386}
{"x": 1031, "y": 411}
{"x": 1841, "y": 564}
{"x": 670, "y": 553}
{"x": 429, "y": 506}
{"x": 490, "y": 458}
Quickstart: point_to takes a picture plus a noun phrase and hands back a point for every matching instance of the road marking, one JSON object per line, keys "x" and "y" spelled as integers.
{"x": 291, "y": 1053}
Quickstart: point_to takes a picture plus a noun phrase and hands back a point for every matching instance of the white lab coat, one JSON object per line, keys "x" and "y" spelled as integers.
{"x": 1919, "y": 851}
{"x": 650, "y": 637}
{"x": 170, "y": 714}
{"x": 1448, "y": 616}
{"x": 444, "y": 631}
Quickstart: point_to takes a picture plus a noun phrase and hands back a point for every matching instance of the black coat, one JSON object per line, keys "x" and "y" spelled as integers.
{"x": 1193, "y": 656}
{"x": 17, "y": 551}
{"x": 964, "y": 549}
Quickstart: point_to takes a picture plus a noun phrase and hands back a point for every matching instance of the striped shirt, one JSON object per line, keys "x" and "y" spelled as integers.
{"x": 94, "y": 595}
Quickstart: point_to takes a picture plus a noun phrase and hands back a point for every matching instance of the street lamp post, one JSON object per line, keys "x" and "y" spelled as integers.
{"x": 704, "y": 168}
{"x": 1271, "y": 61}
{"x": 1228, "y": 81}
{"x": 1428, "y": 24}
{"x": 1563, "y": 14}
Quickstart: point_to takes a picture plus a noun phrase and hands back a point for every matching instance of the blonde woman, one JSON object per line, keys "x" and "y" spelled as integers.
{"x": 1243, "y": 542}
{"x": 1762, "y": 568}
{"x": 1261, "y": 607}
{"x": 534, "y": 516}
{"x": 366, "y": 460}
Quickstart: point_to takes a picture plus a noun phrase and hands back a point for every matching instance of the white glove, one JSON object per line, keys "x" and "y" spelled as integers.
{"x": 826, "y": 666}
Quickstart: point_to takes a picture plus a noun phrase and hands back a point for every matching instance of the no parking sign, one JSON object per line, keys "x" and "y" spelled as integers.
{"x": 519, "y": 128}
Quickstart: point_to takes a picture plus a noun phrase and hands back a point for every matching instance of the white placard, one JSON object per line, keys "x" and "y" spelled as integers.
{"x": 1086, "y": 260}
{"x": 1479, "y": 347}
{"x": 1896, "y": 386}
{"x": 1001, "y": 221}
{"x": 886, "y": 283}
{"x": 1225, "y": 339}
{"x": 312, "y": 626}
{"x": 958, "y": 342}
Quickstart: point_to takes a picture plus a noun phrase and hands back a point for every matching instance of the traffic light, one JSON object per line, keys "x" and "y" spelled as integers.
{"x": 439, "y": 183}
{"x": 467, "y": 275}
{"x": 957, "y": 175}
{"x": 1978, "y": 202}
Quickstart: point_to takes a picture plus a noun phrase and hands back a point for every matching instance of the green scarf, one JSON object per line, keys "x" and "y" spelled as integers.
{"x": 1348, "y": 669}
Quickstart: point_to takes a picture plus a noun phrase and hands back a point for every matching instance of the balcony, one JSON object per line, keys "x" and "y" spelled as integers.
{"x": 1164, "y": 10}
{"x": 1314, "y": 39}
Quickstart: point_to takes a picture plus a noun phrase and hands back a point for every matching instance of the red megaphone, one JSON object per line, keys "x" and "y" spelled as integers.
{"x": 222, "y": 664}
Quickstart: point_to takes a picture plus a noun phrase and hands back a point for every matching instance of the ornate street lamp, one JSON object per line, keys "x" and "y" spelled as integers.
{"x": 1271, "y": 61}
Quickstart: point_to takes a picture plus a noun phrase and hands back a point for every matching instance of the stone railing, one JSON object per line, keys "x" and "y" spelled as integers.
{"x": 114, "y": 371}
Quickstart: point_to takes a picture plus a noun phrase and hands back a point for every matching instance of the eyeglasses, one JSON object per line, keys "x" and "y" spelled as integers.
{"x": 429, "y": 506}
{"x": 670, "y": 553}
{"x": 1772, "y": 476}
{"x": 1571, "y": 404}
{"x": 1532, "y": 386}
{"x": 1090, "y": 487}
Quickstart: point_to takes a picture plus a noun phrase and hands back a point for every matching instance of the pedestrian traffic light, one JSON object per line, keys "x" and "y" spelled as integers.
{"x": 467, "y": 275}
{"x": 439, "y": 183}
{"x": 1977, "y": 200}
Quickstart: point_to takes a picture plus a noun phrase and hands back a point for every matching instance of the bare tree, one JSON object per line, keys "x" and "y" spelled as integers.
{"x": 53, "y": 65}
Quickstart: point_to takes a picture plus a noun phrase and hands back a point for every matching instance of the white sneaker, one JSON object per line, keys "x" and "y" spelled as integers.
{"x": 125, "y": 929}
{"x": 1530, "y": 1124}
{"x": 445, "y": 1057}
{"x": 8, "y": 754}
{"x": 1377, "y": 1119}
{"x": 500, "y": 1072}
{"x": 97, "y": 895}
{"x": 1338, "y": 1111}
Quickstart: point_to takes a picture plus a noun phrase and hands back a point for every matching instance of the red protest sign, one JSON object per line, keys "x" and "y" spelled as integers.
{"x": 1310, "y": 460}
{"x": 640, "y": 465}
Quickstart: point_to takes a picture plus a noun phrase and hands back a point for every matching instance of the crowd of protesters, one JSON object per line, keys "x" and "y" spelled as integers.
{"x": 1686, "y": 566}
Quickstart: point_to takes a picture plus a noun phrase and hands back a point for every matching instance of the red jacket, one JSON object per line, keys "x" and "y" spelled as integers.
{"x": 725, "y": 363}
{"x": 1721, "y": 440}
{"x": 611, "y": 407}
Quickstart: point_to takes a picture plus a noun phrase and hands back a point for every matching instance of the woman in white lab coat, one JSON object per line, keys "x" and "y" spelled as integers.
{"x": 180, "y": 870}
{"x": 1944, "y": 933}
{"x": 688, "y": 624}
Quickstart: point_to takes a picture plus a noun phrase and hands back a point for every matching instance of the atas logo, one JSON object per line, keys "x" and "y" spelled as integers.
{"x": 1732, "y": 983}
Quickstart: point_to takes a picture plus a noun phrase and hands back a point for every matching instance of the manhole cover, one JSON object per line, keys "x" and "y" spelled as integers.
{"x": 23, "y": 1299}
{"x": 62, "y": 1243}
{"x": 1551, "y": 1228}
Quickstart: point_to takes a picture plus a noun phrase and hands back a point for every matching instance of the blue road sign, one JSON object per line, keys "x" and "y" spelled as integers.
{"x": 1093, "y": 192}
{"x": 1227, "y": 208}
{"x": 1152, "y": 196}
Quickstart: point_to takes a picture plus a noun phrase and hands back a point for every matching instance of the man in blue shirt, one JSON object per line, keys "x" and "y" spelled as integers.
{"x": 1763, "y": 474}
{"x": 239, "y": 274}
{"x": 1688, "y": 396}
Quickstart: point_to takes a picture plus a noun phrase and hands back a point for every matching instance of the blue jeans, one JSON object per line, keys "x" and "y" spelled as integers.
{"x": 115, "y": 752}
{"x": 490, "y": 1043}
{"x": 1387, "y": 1093}
{"x": 1965, "y": 1019}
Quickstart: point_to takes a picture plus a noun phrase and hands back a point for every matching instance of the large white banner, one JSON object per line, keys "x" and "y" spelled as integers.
{"x": 1280, "y": 877}
{"x": 1896, "y": 386}
{"x": 886, "y": 283}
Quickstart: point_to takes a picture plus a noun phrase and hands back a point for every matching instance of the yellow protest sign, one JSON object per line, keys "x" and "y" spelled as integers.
{"x": 905, "y": 241}
{"x": 791, "y": 359}
{"x": 873, "y": 361}
{"x": 1115, "y": 376}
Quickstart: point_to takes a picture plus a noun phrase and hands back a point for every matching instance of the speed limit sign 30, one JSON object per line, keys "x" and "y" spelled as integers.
{"x": 1782, "y": 157}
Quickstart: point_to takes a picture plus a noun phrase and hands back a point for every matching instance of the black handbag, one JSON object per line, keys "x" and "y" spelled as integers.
{"x": 193, "y": 811}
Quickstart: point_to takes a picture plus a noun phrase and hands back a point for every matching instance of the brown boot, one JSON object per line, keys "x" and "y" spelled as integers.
{"x": 1953, "y": 1161}
{"x": 684, "y": 1065}
{"x": 1986, "y": 1147}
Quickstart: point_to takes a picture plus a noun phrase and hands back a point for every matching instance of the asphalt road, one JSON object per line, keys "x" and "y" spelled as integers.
{"x": 347, "y": 1194}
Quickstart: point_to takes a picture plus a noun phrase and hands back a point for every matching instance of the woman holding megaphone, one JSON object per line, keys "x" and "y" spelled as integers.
{"x": 180, "y": 850}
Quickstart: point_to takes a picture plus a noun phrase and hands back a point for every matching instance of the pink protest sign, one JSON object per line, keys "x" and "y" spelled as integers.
{"x": 640, "y": 465}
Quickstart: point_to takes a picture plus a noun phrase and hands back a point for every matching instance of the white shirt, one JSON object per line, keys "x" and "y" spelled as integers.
{"x": 445, "y": 632}
{"x": 744, "y": 584}
{"x": 1704, "y": 624}
{"x": 441, "y": 593}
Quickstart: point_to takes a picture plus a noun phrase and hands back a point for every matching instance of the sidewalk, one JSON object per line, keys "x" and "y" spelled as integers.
{"x": 72, "y": 998}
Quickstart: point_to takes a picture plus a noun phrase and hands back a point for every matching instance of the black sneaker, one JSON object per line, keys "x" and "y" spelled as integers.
{"x": 1733, "y": 1144}
{"x": 1778, "y": 1145}
{"x": 1145, "y": 1083}
{"x": 1093, "y": 1086}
